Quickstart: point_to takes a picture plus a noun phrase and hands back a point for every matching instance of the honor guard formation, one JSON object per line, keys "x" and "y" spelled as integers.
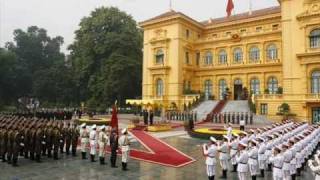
{"x": 34, "y": 139}
{"x": 283, "y": 148}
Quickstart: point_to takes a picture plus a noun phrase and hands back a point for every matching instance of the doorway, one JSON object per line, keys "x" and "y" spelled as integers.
{"x": 237, "y": 89}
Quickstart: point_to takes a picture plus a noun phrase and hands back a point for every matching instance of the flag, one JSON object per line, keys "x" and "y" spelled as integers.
{"x": 114, "y": 118}
{"x": 230, "y": 7}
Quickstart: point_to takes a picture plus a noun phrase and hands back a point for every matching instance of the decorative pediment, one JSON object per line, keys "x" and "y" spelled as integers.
{"x": 160, "y": 36}
{"x": 312, "y": 10}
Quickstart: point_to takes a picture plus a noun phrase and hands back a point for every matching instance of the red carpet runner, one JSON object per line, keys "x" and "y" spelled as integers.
{"x": 159, "y": 151}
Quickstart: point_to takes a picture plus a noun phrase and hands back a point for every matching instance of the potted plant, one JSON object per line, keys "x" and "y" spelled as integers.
{"x": 280, "y": 90}
{"x": 266, "y": 91}
{"x": 284, "y": 110}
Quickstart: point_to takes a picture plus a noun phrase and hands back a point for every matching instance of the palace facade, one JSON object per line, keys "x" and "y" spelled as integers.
{"x": 273, "y": 53}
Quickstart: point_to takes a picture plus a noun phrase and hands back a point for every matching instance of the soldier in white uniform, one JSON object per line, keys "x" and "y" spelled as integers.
{"x": 210, "y": 152}
{"x": 277, "y": 160}
{"x": 223, "y": 155}
{"x": 293, "y": 161}
{"x": 253, "y": 159}
{"x": 103, "y": 142}
{"x": 84, "y": 138}
{"x": 93, "y": 142}
{"x": 261, "y": 155}
{"x": 124, "y": 143}
{"x": 315, "y": 166}
{"x": 287, "y": 157}
{"x": 233, "y": 151}
{"x": 229, "y": 131}
{"x": 242, "y": 160}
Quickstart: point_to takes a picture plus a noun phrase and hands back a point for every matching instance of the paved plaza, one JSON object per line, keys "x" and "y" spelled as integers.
{"x": 68, "y": 168}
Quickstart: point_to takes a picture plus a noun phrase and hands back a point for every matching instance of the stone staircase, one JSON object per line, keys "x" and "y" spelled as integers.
{"x": 236, "y": 106}
{"x": 204, "y": 109}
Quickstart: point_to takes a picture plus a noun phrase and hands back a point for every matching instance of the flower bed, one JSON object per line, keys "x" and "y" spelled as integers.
{"x": 96, "y": 121}
{"x": 205, "y": 133}
{"x": 159, "y": 127}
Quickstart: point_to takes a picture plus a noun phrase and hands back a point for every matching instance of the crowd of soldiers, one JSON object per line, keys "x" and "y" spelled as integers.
{"x": 34, "y": 138}
{"x": 181, "y": 115}
{"x": 230, "y": 117}
{"x": 283, "y": 148}
{"x": 46, "y": 114}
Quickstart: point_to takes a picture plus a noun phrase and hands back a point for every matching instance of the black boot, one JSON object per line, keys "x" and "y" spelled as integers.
{"x": 293, "y": 176}
{"x": 123, "y": 169}
{"x": 74, "y": 153}
{"x": 224, "y": 174}
{"x": 4, "y": 158}
{"x": 262, "y": 172}
{"x": 298, "y": 171}
{"x": 38, "y": 158}
{"x": 55, "y": 155}
{"x": 269, "y": 167}
{"x": 9, "y": 160}
{"x": 254, "y": 177}
{"x": 234, "y": 168}
{"x": 84, "y": 155}
{"x": 102, "y": 161}
{"x": 126, "y": 166}
{"x": 212, "y": 177}
{"x": 14, "y": 162}
{"x": 92, "y": 158}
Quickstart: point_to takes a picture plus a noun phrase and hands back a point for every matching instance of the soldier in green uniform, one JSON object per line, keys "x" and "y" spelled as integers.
{"x": 10, "y": 144}
{"x": 16, "y": 143}
{"x": 27, "y": 138}
{"x": 62, "y": 136}
{"x": 38, "y": 142}
{"x": 2, "y": 142}
{"x": 56, "y": 141}
{"x": 68, "y": 137}
{"x": 75, "y": 134}
{"x": 49, "y": 138}
{"x": 32, "y": 137}
{"x": 43, "y": 141}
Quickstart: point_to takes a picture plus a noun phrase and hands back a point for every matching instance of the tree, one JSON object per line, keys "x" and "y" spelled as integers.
{"x": 107, "y": 58}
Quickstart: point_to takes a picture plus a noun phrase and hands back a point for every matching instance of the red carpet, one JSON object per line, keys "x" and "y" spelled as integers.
{"x": 160, "y": 152}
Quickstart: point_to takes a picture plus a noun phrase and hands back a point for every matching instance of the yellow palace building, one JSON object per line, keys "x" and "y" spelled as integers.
{"x": 274, "y": 53}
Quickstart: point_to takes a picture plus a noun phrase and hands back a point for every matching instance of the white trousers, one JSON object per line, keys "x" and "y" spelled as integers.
{"x": 211, "y": 170}
{"x": 253, "y": 169}
{"x": 125, "y": 156}
{"x": 93, "y": 148}
{"x": 242, "y": 175}
{"x": 224, "y": 164}
{"x": 262, "y": 164}
{"x": 102, "y": 152}
{"x": 84, "y": 144}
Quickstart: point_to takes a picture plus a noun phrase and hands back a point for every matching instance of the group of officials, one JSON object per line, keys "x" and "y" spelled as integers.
{"x": 104, "y": 139}
{"x": 283, "y": 148}
{"x": 34, "y": 138}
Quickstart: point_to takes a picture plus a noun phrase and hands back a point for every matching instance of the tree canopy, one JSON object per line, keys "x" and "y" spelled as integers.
{"x": 105, "y": 63}
{"x": 107, "y": 58}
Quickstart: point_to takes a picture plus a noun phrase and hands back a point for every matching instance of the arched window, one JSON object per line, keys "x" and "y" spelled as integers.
{"x": 223, "y": 57}
{"x": 315, "y": 82}
{"x": 208, "y": 88}
{"x": 254, "y": 54}
{"x": 272, "y": 52}
{"x": 315, "y": 38}
{"x": 237, "y": 55}
{"x": 159, "y": 57}
{"x": 222, "y": 88}
{"x": 159, "y": 87}
{"x": 273, "y": 85}
{"x": 255, "y": 86}
{"x": 208, "y": 58}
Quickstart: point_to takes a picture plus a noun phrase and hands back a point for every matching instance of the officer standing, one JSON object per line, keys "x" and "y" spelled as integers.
{"x": 16, "y": 146}
{"x": 114, "y": 147}
{"x": 277, "y": 160}
{"x": 233, "y": 151}
{"x": 125, "y": 148}
{"x": 103, "y": 141}
{"x": 84, "y": 135}
{"x": 93, "y": 143}
{"x": 56, "y": 141}
{"x": 261, "y": 155}
{"x": 74, "y": 139}
{"x": 210, "y": 151}
{"x": 253, "y": 159}
{"x": 38, "y": 142}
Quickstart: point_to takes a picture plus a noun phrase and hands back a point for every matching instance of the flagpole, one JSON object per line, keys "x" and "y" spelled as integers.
{"x": 250, "y": 7}
{"x": 170, "y": 5}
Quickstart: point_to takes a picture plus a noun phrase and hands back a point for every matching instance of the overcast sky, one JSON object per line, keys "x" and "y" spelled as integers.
{"x": 61, "y": 17}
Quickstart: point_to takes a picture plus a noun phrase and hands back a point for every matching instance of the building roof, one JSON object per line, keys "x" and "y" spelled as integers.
{"x": 246, "y": 15}
{"x": 241, "y": 16}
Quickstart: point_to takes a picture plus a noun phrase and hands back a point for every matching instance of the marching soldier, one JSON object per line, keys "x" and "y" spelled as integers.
{"x": 38, "y": 142}
{"x": 103, "y": 141}
{"x": 261, "y": 155}
{"x": 233, "y": 151}
{"x": 253, "y": 159}
{"x": 114, "y": 147}
{"x": 210, "y": 151}
{"x": 68, "y": 137}
{"x": 49, "y": 139}
{"x": 242, "y": 160}
{"x": 3, "y": 142}
{"x": 93, "y": 143}
{"x": 84, "y": 135}
{"x": 10, "y": 143}
{"x": 74, "y": 139}
{"x": 125, "y": 148}
{"x": 61, "y": 133}
{"x": 223, "y": 155}
{"x": 277, "y": 161}
{"x": 287, "y": 157}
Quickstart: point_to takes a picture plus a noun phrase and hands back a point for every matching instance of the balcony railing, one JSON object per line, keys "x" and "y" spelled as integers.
{"x": 305, "y": 97}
